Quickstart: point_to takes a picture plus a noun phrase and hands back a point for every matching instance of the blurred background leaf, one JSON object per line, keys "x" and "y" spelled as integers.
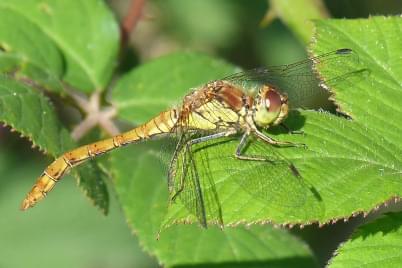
{"x": 81, "y": 30}
{"x": 296, "y": 15}
{"x": 64, "y": 232}
{"x": 29, "y": 54}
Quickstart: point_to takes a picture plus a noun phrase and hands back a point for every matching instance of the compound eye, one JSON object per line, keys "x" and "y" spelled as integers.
{"x": 269, "y": 107}
{"x": 267, "y": 103}
{"x": 273, "y": 101}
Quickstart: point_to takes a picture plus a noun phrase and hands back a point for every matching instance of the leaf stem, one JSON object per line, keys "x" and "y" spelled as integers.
{"x": 131, "y": 19}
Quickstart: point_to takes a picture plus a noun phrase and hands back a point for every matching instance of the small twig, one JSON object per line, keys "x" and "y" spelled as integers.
{"x": 95, "y": 114}
{"x": 131, "y": 19}
{"x": 106, "y": 123}
{"x": 83, "y": 127}
{"x": 79, "y": 97}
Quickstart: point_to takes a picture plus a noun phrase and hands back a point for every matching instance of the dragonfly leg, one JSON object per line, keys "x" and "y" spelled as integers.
{"x": 172, "y": 162}
{"x": 240, "y": 156}
{"x": 211, "y": 137}
{"x": 200, "y": 208}
{"x": 182, "y": 177}
{"x": 272, "y": 141}
{"x": 240, "y": 147}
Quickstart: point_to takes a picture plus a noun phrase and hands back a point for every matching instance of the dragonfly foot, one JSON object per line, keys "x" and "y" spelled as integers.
{"x": 296, "y": 132}
{"x": 174, "y": 197}
{"x": 303, "y": 145}
{"x": 291, "y": 144}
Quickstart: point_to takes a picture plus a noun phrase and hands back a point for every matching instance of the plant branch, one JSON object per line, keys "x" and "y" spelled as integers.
{"x": 131, "y": 19}
{"x": 95, "y": 115}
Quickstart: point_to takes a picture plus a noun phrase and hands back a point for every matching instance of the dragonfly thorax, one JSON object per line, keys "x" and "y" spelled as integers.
{"x": 270, "y": 107}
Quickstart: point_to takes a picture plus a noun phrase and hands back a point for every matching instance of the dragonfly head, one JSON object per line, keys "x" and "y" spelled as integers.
{"x": 271, "y": 107}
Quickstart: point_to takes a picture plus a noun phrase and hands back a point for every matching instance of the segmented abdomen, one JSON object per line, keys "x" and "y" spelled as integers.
{"x": 163, "y": 123}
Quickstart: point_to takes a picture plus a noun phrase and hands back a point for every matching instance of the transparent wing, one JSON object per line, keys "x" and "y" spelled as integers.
{"x": 275, "y": 182}
{"x": 211, "y": 198}
{"x": 299, "y": 80}
{"x": 187, "y": 187}
{"x": 193, "y": 186}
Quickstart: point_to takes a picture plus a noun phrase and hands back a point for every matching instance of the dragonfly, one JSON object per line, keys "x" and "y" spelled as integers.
{"x": 239, "y": 105}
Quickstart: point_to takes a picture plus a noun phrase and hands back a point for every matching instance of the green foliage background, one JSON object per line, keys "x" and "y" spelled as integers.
{"x": 353, "y": 165}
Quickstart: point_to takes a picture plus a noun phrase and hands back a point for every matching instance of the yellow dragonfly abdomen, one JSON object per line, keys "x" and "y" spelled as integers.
{"x": 163, "y": 123}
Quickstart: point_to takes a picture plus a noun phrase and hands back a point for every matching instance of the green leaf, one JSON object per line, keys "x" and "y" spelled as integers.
{"x": 29, "y": 112}
{"x": 92, "y": 176}
{"x": 297, "y": 15}
{"x": 159, "y": 84}
{"x": 374, "y": 102}
{"x": 181, "y": 19}
{"x": 27, "y": 53}
{"x": 84, "y": 31}
{"x": 91, "y": 180}
{"x": 376, "y": 243}
{"x": 142, "y": 190}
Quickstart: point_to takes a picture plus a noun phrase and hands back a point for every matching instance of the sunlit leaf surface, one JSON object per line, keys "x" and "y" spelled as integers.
{"x": 373, "y": 244}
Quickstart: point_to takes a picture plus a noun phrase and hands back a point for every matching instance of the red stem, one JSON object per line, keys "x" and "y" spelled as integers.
{"x": 131, "y": 19}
